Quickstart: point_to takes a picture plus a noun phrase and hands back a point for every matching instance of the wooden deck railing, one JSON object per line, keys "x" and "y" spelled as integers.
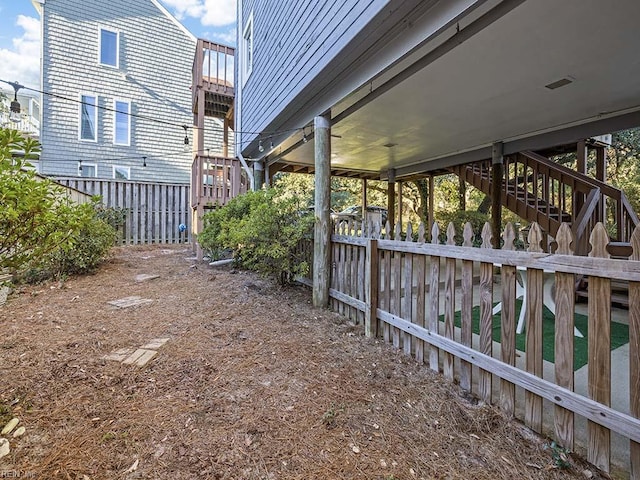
{"x": 215, "y": 180}
{"x": 213, "y": 69}
{"x": 405, "y": 292}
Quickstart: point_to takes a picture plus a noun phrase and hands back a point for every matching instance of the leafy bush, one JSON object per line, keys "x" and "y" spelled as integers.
{"x": 459, "y": 220}
{"x": 41, "y": 229}
{"x": 84, "y": 251}
{"x": 262, "y": 229}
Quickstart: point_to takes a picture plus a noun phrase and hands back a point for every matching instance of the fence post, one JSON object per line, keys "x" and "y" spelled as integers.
{"x": 599, "y": 341}
{"x": 634, "y": 353}
{"x": 371, "y": 289}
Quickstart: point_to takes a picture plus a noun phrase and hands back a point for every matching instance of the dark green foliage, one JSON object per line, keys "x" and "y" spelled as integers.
{"x": 459, "y": 219}
{"x": 262, "y": 229}
{"x": 41, "y": 229}
{"x": 87, "y": 248}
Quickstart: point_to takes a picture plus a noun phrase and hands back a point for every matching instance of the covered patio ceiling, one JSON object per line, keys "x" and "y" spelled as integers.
{"x": 541, "y": 74}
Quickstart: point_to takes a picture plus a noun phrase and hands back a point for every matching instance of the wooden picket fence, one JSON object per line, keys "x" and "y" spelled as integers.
{"x": 153, "y": 212}
{"x": 397, "y": 286}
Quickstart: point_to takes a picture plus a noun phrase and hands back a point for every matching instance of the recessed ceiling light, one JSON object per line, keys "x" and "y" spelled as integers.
{"x": 559, "y": 83}
{"x": 390, "y": 144}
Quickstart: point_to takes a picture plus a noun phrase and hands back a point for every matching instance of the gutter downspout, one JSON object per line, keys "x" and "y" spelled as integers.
{"x": 247, "y": 170}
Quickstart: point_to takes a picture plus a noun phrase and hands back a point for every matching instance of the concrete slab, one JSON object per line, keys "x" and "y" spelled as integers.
{"x": 155, "y": 344}
{"x": 119, "y": 355}
{"x": 140, "y": 357}
{"x": 129, "y": 302}
{"x": 145, "y": 277}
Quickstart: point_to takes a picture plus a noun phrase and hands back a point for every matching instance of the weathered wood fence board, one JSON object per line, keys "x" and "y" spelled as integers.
{"x": 153, "y": 211}
{"x": 400, "y": 300}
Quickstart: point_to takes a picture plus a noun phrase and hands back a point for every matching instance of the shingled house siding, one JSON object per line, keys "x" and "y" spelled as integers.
{"x": 153, "y": 73}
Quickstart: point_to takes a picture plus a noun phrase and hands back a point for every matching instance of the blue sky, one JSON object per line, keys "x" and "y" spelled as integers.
{"x": 20, "y": 32}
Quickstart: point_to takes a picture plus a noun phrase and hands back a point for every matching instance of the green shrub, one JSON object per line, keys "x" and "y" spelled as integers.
{"x": 262, "y": 229}
{"x": 459, "y": 219}
{"x": 83, "y": 251}
{"x": 36, "y": 216}
{"x": 42, "y": 232}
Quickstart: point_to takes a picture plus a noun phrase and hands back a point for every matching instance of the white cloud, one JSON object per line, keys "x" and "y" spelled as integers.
{"x": 218, "y": 13}
{"x": 214, "y": 13}
{"x": 22, "y": 62}
{"x": 226, "y": 38}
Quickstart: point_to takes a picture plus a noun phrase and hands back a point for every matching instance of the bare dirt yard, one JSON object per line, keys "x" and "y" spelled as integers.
{"x": 247, "y": 381}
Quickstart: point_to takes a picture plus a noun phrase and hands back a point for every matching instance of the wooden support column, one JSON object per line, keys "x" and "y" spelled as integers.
{"x": 365, "y": 220}
{"x": 391, "y": 198}
{"x": 430, "y": 215}
{"x": 497, "y": 174}
{"x": 601, "y": 164}
{"x": 322, "y": 233}
{"x": 400, "y": 204}
{"x": 198, "y": 149}
{"x": 198, "y": 123}
{"x": 225, "y": 138}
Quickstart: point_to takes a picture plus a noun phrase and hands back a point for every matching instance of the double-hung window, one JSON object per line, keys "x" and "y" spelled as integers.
{"x": 121, "y": 122}
{"x": 109, "y": 47}
{"x": 247, "y": 49}
{"x": 88, "y": 117}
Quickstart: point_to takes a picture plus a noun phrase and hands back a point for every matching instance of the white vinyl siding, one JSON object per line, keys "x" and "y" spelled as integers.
{"x": 247, "y": 49}
{"x": 109, "y": 42}
{"x": 122, "y": 122}
{"x": 88, "y": 121}
{"x": 121, "y": 173}
{"x": 89, "y": 170}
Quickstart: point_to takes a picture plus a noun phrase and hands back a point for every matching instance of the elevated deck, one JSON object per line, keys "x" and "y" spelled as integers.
{"x": 213, "y": 91}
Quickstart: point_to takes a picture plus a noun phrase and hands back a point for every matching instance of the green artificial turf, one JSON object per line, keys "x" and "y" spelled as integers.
{"x": 619, "y": 333}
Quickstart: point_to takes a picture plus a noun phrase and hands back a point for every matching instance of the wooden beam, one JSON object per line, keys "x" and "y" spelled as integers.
{"x": 431, "y": 217}
{"x": 391, "y": 198}
{"x": 322, "y": 243}
{"x": 225, "y": 138}
{"x": 399, "y": 203}
{"x": 601, "y": 164}
{"x": 497, "y": 174}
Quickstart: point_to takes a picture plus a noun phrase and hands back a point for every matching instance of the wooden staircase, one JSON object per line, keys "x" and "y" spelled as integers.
{"x": 538, "y": 189}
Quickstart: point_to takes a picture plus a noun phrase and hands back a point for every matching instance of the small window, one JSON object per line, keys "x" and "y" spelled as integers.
{"x": 88, "y": 118}
{"x": 109, "y": 47}
{"x": 121, "y": 122}
{"x": 247, "y": 49}
{"x": 89, "y": 170}
{"x": 121, "y": 173}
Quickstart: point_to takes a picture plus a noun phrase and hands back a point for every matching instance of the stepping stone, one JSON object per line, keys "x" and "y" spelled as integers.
{"x": 140, "y": 357}
{"x": 155, "y": 344}
{"x": 129, "y": 302}
{"x": 119, "y": 355}
{"x": 143, "y": 277}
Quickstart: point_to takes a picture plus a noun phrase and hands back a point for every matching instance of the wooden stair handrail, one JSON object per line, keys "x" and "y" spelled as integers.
{"x": 584, "y": 220}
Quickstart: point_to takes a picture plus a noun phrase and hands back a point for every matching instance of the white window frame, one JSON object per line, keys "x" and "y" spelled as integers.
{"x": 126, "y": 169}
{"x": 88, "y": 164}
{"x": 248, "y": 49}
{"x": 95, "y": 117}
{"x": 111, "y": 30}
{"x": 115, "y": 114}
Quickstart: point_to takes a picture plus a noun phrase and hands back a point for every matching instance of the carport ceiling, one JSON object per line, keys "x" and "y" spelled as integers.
{"x": 493, "y": 87}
